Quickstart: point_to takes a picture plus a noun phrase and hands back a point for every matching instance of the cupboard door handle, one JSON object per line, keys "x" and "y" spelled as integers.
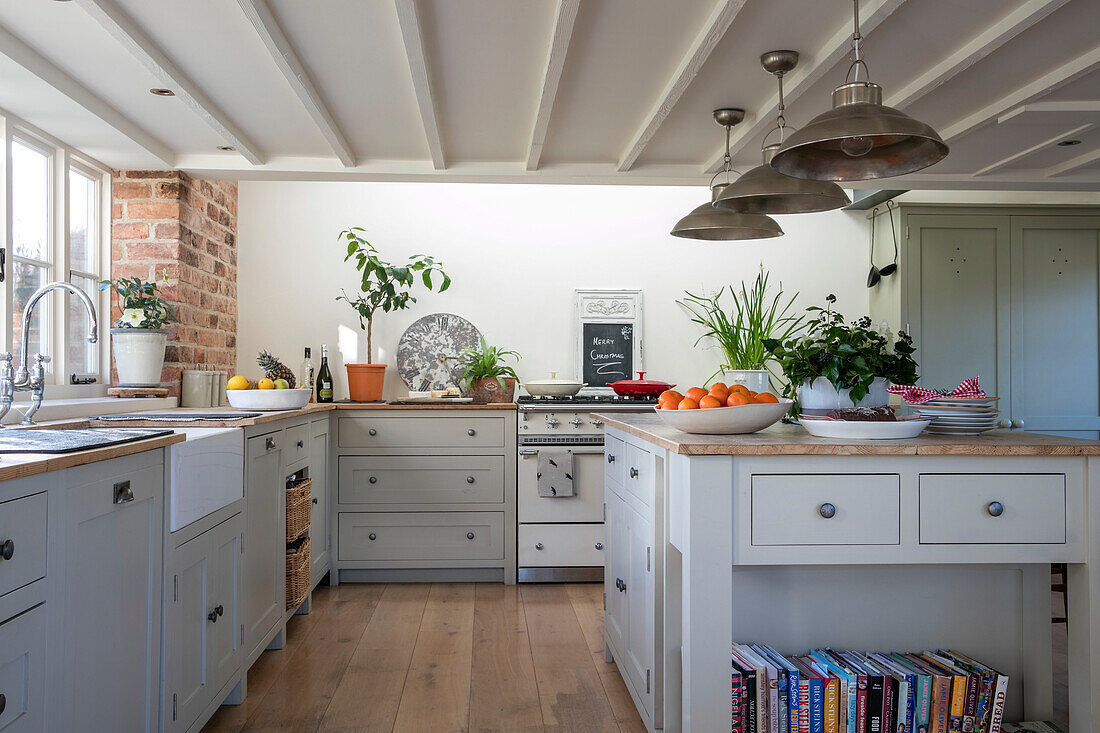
{"x": 827, "y": 511}
{"x": 373, "y": 479}
{"x": 372, "y": 431}
{"x": 610, "y": 458}
{"x": 372, "y": 537}
{"x": 301, "y": 444}
{"x": 471, "y": 432}
{"x": 314, "y": 500}
{"x": 269, "y": 444}
{"x": 3, "y": 702}
{"x": 469, "y": 535}
{"x": 212, "y": 617}
{"x": 995, "y": 508}
{"x": 633, "y": 472}
{"x": 469, "y": 479}
{"x": 123, "y": 493}
{"x": 7, "y": 549}
{"x": 599, "y": 545}
{"x": 538, "y": 545}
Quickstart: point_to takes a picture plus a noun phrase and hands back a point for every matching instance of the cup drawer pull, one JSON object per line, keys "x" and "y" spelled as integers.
{"x": 7, "y": 549}
{"x": 827, "y": 511}
{"x": 995, "y": 508}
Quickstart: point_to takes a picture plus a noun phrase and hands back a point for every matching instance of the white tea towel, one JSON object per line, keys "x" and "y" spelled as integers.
{"x": 555, "y": 473}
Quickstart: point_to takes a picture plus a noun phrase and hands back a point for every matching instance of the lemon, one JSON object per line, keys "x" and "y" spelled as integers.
{"x": 237, "y": 382}
{"x": 282, "y": 384}
{"x": 265, "y": 384}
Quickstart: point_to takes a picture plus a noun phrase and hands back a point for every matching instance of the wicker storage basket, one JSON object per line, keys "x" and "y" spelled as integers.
{"x": 299, "y": 502}
{"x": 297, "y": 573}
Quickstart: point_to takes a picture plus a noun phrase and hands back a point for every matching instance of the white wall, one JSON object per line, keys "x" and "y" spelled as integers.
{"x": 516, "y": 253}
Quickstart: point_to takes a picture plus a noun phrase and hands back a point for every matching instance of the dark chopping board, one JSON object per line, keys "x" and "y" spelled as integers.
{"x": 68, "y": 441}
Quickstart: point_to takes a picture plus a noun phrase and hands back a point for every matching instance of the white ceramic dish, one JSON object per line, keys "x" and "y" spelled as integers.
{"x": 268, "y": 399}
{"x": 865, "y": 429}
{"x": 726, "y": 420}
{"x": 963, "y": 401}
{"x": 553, "y": 387}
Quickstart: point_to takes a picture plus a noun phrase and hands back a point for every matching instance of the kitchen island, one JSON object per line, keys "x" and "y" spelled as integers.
{"x": 802, "y": 543}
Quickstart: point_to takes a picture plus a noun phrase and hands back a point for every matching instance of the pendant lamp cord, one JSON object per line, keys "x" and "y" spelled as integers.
{"x": 780, "y": 119}
{"x": 857, "y": 53}
{"x": 727, "y": 161}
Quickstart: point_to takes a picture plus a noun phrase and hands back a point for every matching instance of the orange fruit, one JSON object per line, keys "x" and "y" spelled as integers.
{"x": 720, "y": 385}
{"x": 710, "y": 401}
{"x": 688, "y": 404}
{"x": 740, "y": 388}
{"x": 736, "y": 399}
{"x": 695, "y": 393}
{"x": 766, "y": 397}
{"x": 670, "y": 394}
{"x": 721, "y": 394}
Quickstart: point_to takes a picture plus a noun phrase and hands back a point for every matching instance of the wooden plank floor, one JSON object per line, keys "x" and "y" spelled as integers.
{"x": 439, "y": 657}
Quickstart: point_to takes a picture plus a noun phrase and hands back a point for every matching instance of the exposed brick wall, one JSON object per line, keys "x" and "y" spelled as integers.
{"x": 165, "y": 221}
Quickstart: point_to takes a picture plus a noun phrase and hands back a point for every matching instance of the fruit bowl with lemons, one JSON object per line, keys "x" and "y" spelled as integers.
{"x": 721, "y": 410}
{"x": 275, "y": 391}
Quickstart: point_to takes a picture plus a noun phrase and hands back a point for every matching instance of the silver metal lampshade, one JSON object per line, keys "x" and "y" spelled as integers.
{"x": 859, "y": 139}
{"x": 764, "y": 190}
{"x": 709, "y": 223}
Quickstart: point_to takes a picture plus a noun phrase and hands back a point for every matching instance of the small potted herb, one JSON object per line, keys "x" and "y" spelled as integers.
{"x": 485, "y": 376}
{"x": 139, "y": 337}
{"x": 741, "y": 329}
{"x": 384, "y": 287}
{"x": 835, "y": 364}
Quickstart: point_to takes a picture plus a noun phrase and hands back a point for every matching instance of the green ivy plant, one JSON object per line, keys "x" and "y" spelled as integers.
{"x": 384, "y": 286}
{"x": 849, "y": 355}
{"x": 142, "y": 304}
{"x": 485, "y": 362}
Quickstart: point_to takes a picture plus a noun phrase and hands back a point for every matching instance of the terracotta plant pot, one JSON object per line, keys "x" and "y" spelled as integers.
{"x": 489, "y": 390}
{"x": 365, "y": 381}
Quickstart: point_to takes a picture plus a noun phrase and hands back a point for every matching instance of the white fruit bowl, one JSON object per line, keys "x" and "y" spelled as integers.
{"x": 268, "y": 399}
{"x": 726, "y": 420}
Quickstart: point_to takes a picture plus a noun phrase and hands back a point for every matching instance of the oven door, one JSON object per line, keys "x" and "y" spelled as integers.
{"x": 586, "y": 504}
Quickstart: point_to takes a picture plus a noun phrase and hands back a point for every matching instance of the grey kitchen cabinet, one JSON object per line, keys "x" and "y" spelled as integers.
{"x": 23, "y": 672}
{"x": 615, "y": 572}
{"x": 202, "y": 625}
{"x": 318, "y": 519}
{"x": 104, "y": 605}
{"x": 263, "y": 566}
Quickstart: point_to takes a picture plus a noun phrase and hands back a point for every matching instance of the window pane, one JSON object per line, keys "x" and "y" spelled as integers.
{"x": 26, "y": 279}
{"x": 83, "y": 231}
{"x": 30, "y": 193}
{"x": 82, "y": 355}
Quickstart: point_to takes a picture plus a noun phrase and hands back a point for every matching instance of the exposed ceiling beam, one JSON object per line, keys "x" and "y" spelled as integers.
{"x": 721, "y": 17}
{"x": 1021, "y": 154}
{"x": 124, "y": 30}
{"x": 555, "y": 62}
{"x": 409, "y": 20}
{"x": 1066, "y": 107}
{"x": 45, "y": 70}
{"x": 282, "y": 53}
{"x": 974, "y": 50}
{"x": 1045, "y": 84}
{"x": 872, "y": 14}
{"x": 1086, "y": 158}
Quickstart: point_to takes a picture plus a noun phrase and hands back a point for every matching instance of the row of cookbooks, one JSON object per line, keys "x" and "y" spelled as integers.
{"x": 842, "y": 691}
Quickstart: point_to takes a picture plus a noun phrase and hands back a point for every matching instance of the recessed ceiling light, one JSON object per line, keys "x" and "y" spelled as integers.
{"x": 226, "y": 148}
{"x": 162, "y": 92}
{"x": 1067, "y": 143}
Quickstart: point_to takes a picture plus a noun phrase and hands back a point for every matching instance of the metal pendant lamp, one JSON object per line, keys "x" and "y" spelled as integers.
{"x": 708, "y": 223}
{"x": 764, "y": 190}
{"x": 859, "y": 138}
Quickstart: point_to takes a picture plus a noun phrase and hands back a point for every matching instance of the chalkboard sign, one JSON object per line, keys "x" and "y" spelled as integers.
{"x": 607, "y": 352}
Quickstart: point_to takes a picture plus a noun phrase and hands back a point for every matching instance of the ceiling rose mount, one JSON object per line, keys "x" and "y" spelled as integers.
{"x": 859, "y": 138}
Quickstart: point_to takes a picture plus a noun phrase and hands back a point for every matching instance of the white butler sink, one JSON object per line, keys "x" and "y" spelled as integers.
{"x": 206, "y": 473}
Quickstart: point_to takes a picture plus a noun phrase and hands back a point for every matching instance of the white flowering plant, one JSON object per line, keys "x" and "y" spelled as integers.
{"x": 142, "y": 304}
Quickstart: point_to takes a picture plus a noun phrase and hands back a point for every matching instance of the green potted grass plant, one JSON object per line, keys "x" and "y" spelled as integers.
{"x": 485, "y": 375}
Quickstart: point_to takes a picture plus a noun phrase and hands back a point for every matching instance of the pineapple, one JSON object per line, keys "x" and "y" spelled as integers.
{"x": 275, "y": 369}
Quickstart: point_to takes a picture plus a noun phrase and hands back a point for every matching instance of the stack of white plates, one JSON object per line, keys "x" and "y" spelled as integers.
{"x": 960, "y": 415}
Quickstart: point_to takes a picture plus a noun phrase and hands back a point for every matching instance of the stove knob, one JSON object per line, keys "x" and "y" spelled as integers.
{"x": 598, "y": 423}
{"x": 551, "y": 421}
{"x": 576, "y": 422}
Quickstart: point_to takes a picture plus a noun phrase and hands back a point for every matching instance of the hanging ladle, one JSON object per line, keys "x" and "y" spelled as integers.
{"x": 875, "y": 274}
{"x": 893, "y": 266}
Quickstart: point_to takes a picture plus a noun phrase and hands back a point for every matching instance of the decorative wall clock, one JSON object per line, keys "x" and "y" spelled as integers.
{"x": 427, "y": 354}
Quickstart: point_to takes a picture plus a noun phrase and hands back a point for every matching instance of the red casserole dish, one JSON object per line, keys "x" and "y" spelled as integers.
{"x": 640, "y": 387}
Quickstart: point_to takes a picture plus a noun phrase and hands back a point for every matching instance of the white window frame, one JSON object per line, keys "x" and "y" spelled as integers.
{"x": 63, "y": 158}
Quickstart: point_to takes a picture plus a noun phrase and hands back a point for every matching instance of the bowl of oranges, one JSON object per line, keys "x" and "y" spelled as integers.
{"x": 721, "y": 410}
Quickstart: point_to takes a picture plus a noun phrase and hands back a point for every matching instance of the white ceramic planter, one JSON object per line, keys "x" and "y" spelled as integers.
{"x": 139, "y": 355}
{"x": 753, "y": 379}
{"x": 820, "y": 397}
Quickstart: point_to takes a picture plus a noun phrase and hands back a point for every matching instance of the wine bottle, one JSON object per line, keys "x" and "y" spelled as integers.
{"x": 324, "y": 378}
{"x": 305, "y": 373}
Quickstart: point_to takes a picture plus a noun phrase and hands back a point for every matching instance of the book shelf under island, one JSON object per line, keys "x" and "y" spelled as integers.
{"x": 934, "y": 542}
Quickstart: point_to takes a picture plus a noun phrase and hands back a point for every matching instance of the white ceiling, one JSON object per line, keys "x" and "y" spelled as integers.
{"x": 586, "y": 91}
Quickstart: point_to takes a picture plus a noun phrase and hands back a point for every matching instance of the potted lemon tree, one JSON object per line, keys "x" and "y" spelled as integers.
{"x": 139, "y": 336}
{"x": 383, "y": 287}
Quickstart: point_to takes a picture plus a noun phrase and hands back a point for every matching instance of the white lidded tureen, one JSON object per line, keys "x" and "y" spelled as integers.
{"x": 553, "y": 387}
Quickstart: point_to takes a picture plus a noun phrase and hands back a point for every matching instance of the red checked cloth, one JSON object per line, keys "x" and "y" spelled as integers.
{"x": 920, "y": 395}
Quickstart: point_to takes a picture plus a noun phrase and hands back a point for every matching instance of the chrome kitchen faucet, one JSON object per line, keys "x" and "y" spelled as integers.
{"x": 34, "y": 380}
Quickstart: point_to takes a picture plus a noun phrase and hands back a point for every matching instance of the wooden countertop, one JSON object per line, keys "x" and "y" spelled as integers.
{"x": 424, "y": 406}
{"x": 792, "y": 440}
{"x": 264, "y": 417}
{"x": 20, "y": 465}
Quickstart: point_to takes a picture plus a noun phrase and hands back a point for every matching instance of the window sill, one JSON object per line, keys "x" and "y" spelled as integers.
{"x": 69, "y": 409}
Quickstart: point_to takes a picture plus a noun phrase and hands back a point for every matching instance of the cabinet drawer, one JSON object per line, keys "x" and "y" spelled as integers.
{"x": 639, "y": 474}
{"x": 22, "y": 672}
{"x": 421, "y": 536}
{"x": 614, "y": 460}
{"x": 297, "y": 443}
{"x": 961, "y": 509}
{"x": 795, "y": 509}
{"x": 421, "y": 432}
{"x": 23, "y": 524}
{"x": 421, "y": 479}
{"x": 562, "y": 545}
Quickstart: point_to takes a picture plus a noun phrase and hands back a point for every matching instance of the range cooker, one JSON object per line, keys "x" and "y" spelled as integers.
{"x": 561, "y": 539}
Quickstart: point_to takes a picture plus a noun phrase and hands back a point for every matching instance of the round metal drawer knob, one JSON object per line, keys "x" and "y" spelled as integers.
{"x": 633, "y": 473}
{"x": 471, "y": 432}
{"x": 610, "y": 458}
{"x": 372, "y": 431}
{"x": 538, "y": 545}
{"x": 7, "y": 549}
{"x": 995, "y": 508}
{"x": 827, "y": 511}
{"x": 372, "y": 537}
{"x": 469, "y": 535}
{"x": 373, "y": 479}
{"x": 301, "y": 444}
{"x": 469, "y": 479}
{"x": 3, "y": 702}
{"x": 599, "y": 545}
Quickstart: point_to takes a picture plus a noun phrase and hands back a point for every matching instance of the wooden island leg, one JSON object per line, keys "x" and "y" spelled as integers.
{"x": 1083, "y": 628}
